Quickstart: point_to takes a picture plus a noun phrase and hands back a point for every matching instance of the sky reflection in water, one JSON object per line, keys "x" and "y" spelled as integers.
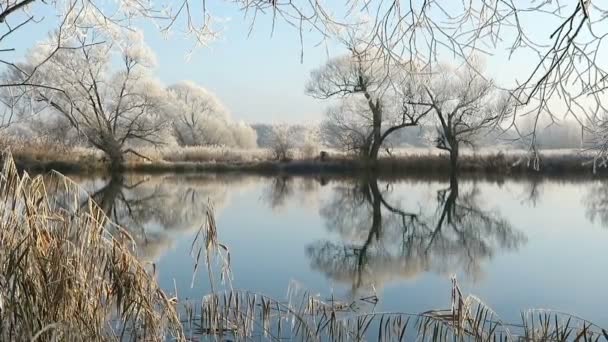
{"x": 517, "y": 244}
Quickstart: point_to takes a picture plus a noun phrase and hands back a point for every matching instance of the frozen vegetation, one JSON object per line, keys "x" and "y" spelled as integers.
{"x": 409, "y": 89}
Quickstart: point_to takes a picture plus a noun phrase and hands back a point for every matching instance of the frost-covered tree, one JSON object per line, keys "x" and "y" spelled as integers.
{"x": 244, "y": 135}
{"x": 200, "y": 119}
{"x": 311, "y": 142}
{"x": 373, "y": 105}
{"x": 104, "y": 90}
{"x": 347, "y": 126}
{"x": 565, "y": 54}
{"x": 54, "y": 129}
{"x": 70, "y": 16}
{"x": 464, "y": 104}
{"x": 281, "y": 142}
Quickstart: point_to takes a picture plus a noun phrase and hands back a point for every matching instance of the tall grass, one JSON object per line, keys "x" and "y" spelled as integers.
{"x": 69, "y": 274}
{"x": 64, "y": 276}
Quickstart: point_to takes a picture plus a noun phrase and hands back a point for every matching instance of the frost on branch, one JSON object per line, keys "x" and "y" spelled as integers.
{"x": 104, "y": 90}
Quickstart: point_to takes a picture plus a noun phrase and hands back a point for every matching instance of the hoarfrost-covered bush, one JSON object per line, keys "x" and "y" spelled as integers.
{"x": 245, "y": 136}
{"x": 200, "y": 119}
{"x": 55, "y": 129}
{"x": 311, "y": 143}
{"x": 281, "y": 143}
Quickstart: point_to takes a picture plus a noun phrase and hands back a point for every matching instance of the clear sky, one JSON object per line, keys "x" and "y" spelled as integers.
{"x": 261, "y": 78}
{"x": 258, "y": 77}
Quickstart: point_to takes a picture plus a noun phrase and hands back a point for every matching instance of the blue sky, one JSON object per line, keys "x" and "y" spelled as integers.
{"x": 261, "y": 78}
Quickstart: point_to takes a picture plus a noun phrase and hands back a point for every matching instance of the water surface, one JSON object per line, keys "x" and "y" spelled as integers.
{"x": 516, "y": 244}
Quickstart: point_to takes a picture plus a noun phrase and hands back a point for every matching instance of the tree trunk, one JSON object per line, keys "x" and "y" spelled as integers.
{"x": 454, "y": 158}
{"x": 364, "y": 151}
{"x": 117, "y": 162}
{"x": 114, "y": 153}
{"x": 107, "y": 196}
{"x": 377, "y": 132}
{"x": 375, "y": 149}
{"x": 450, "y": 203}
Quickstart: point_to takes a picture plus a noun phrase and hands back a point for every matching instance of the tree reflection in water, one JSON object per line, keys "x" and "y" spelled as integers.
{"x": 381, "y": 242}
{"x": 282, "y": 188}
{"x": 154, "y": 210}
{"x": 596, "y": 202}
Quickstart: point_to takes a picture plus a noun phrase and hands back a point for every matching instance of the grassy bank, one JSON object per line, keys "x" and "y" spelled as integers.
{"x": 44, "y": 157}
{"x": 496, "y": 164}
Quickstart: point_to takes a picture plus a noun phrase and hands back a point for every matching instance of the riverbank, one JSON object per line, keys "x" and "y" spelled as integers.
{"x": 498, "y": 163}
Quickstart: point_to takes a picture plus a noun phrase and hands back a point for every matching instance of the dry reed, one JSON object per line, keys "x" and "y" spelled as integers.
{"x": 64, "y": 276}
{"x": 244, "y": 315}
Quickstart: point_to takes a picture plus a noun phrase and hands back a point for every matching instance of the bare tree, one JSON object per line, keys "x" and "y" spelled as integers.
{"x": 112, "y": 110}
{"x": 565, "y": 54}
{"x": 17, "y": 16}
{"x": 564, "y": 73}
{"x": 348, "y": 127}
{"x": 373, "y": 104}
{"x": 54, "y": 129}
{"x": 464, "y": 104}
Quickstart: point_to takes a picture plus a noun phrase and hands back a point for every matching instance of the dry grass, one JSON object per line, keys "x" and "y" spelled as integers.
{"x": 44, "y": 150}
{"x": 243, "y": 315}
{"x": 210, "y": 154}
{"x": 68, "y": 274}
{"x": 43, "y": 156}
{"x": 64, "y": 276}
{"x": 259, "y": 160}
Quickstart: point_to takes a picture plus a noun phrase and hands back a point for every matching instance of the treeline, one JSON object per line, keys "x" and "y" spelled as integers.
{"x": 562, "y": 135}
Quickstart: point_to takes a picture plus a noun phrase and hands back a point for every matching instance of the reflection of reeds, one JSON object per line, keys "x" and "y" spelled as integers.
{"x": 243, "y": 315}
{"x": 63, "y": 276}
{"x": 470, "y": 319}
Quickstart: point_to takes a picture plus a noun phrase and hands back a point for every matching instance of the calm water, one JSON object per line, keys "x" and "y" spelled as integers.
{"x": 515, "y": 244}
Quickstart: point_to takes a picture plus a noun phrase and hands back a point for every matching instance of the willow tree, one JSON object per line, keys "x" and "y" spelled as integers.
{"x": 553, "y": 71}
{"x": 104, "y": 90}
